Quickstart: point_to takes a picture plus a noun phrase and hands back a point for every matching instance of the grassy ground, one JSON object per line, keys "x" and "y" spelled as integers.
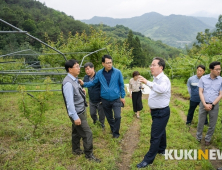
{"x": 51, "y": 147}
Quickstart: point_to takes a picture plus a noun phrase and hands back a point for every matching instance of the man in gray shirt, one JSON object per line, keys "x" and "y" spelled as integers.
{"x": 210, "y": 91}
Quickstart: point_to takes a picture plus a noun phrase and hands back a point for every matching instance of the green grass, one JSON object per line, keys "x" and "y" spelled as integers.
{"x": 51, "y": 147}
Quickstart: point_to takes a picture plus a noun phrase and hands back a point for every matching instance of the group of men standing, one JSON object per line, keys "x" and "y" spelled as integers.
{"x": 205, "y": 91}
{"x": 106, "y": 94}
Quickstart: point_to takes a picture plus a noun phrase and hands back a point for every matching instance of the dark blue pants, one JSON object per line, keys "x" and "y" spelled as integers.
{"x": 112, "y": 110}
{"x": 191, "y": 111}
{"x": 158, "y": 142}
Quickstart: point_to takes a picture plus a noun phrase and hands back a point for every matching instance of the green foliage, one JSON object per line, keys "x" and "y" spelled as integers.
{"x": 34, "y": 108}
{"x": 37, "y": 19}
{"x": 150, "y": 48}
{"x": 121, "y": 54}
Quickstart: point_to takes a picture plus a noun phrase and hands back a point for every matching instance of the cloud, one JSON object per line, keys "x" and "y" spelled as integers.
{"x": 86, "y": 9}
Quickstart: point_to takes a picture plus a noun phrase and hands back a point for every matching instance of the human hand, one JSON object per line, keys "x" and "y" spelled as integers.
{"x": 122, "y": 100}
{"x": 208, "y": 107}
{"x": 130, "y": 95}
{"x": 84, "y": 90}
{"x": 142, "y": 79}
{"x": 81, "y": 82}
{"x": 77, "y": 122}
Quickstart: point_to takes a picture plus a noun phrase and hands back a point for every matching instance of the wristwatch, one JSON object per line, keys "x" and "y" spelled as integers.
{"x": 212, "y": 106}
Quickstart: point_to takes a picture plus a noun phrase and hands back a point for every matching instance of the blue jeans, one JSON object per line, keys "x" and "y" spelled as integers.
{"x": 112, "y": 110}
{"x": 191, "y": 110}
{"x": 158, "y": 142}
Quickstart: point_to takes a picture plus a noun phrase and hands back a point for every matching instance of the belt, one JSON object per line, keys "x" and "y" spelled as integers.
{"x": 208, "y": 103}
{"x": 159, "y": 108}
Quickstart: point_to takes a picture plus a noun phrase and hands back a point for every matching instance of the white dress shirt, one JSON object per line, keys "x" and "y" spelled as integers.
{"x": 159, "y": 96}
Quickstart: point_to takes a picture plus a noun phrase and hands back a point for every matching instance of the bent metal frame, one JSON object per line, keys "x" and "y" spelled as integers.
{"x": 22, "y": 71}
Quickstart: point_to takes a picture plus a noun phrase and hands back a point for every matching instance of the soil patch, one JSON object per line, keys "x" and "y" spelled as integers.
{"x": 129, "y": 144}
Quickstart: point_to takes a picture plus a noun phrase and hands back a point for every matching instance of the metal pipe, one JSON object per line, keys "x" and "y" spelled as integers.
{"x": 13, "y": 91}
{"x": 14, "y": 53}
{"x": 13, "y": 32}
{"x": 34, "y": 38}
{"x": 90, "y": 54}
{"x": 32, "y": 73}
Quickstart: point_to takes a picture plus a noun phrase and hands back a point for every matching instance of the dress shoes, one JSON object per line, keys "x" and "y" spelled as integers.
{"x": 116, "y": 136}
{"x": 207, "y": 143}
{"x": 78, "y": 152}
{"x": 91, "y": 157}
{"x": 142, "y": 164}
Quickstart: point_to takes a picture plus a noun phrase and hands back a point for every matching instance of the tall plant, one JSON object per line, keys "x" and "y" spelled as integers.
{"x": 34, "y": 107}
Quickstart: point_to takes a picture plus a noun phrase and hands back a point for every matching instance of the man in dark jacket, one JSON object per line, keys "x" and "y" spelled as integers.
{"x": 94, "y": 95}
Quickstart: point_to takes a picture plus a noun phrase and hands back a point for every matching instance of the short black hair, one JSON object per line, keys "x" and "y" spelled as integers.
{"x": 106, "y": 56}
{"x": 161, "y": 62}
{"x": 89, "y": 64}
{"x": 201, "y": 66}
{"x": 213, "y": 64}
{"x": 69, "y": 64}
{"x": 136, "y": 73}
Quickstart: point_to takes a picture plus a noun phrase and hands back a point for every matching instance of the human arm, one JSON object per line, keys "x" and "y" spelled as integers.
{"x": 159, "y": 88}
{"x": 130, "y": 88}
{"x": 188, "y": 86}
{"x": 68, "y": 94}
{"x": 122, "y": 90}
{"x": 218, "y": 98}
{"x": 207, "y": 107}
{"x": 90, "y": 83}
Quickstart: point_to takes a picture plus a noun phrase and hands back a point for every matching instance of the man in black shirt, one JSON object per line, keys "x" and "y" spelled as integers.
{"x": 94, "y": 95}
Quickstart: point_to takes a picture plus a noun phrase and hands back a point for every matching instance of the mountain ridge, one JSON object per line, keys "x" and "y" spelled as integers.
{"x": 169, "y": 29}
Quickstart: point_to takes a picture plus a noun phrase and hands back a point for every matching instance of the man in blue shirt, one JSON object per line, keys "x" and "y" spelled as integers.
{"x": 193, "y": 89}
{"x": 75, "y": 104}
{"x": 94, "y": 95}
{"x": 210, "y": 91}
{"x": 112, "y": 92}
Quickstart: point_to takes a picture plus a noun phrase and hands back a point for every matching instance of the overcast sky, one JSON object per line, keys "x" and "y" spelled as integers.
{"x": 86, "y": 9}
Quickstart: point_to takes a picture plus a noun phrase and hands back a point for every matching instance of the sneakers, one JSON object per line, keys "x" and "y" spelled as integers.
{"x": 91, "y": 157}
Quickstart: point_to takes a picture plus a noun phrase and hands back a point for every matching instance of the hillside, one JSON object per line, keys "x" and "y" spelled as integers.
{"x": 37, "y": 19}
{"x": 168, "y": 29}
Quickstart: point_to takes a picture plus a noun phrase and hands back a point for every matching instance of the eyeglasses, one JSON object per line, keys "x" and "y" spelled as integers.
{"x": 109, "y": 63}
{"x": 153, "y": 65}
{"x": 218, "y": 69}
{"x": 76, "y": 67}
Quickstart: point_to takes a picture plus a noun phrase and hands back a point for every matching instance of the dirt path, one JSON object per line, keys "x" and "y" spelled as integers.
{"x": 216, "y": 163}
{"x": 129, "y": 143}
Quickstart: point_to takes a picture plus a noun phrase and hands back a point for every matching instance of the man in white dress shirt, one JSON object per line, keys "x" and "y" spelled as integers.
{"x": 158, "y": 101}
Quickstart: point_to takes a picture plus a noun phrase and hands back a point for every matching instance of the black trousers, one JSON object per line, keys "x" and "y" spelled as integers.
{"x": 158, "y": 142}
{"x": 137, "y": 101}
{"x": 191, "y": 110}
{"x": 82, "y": 131}
{"x": 112, "y": 110}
